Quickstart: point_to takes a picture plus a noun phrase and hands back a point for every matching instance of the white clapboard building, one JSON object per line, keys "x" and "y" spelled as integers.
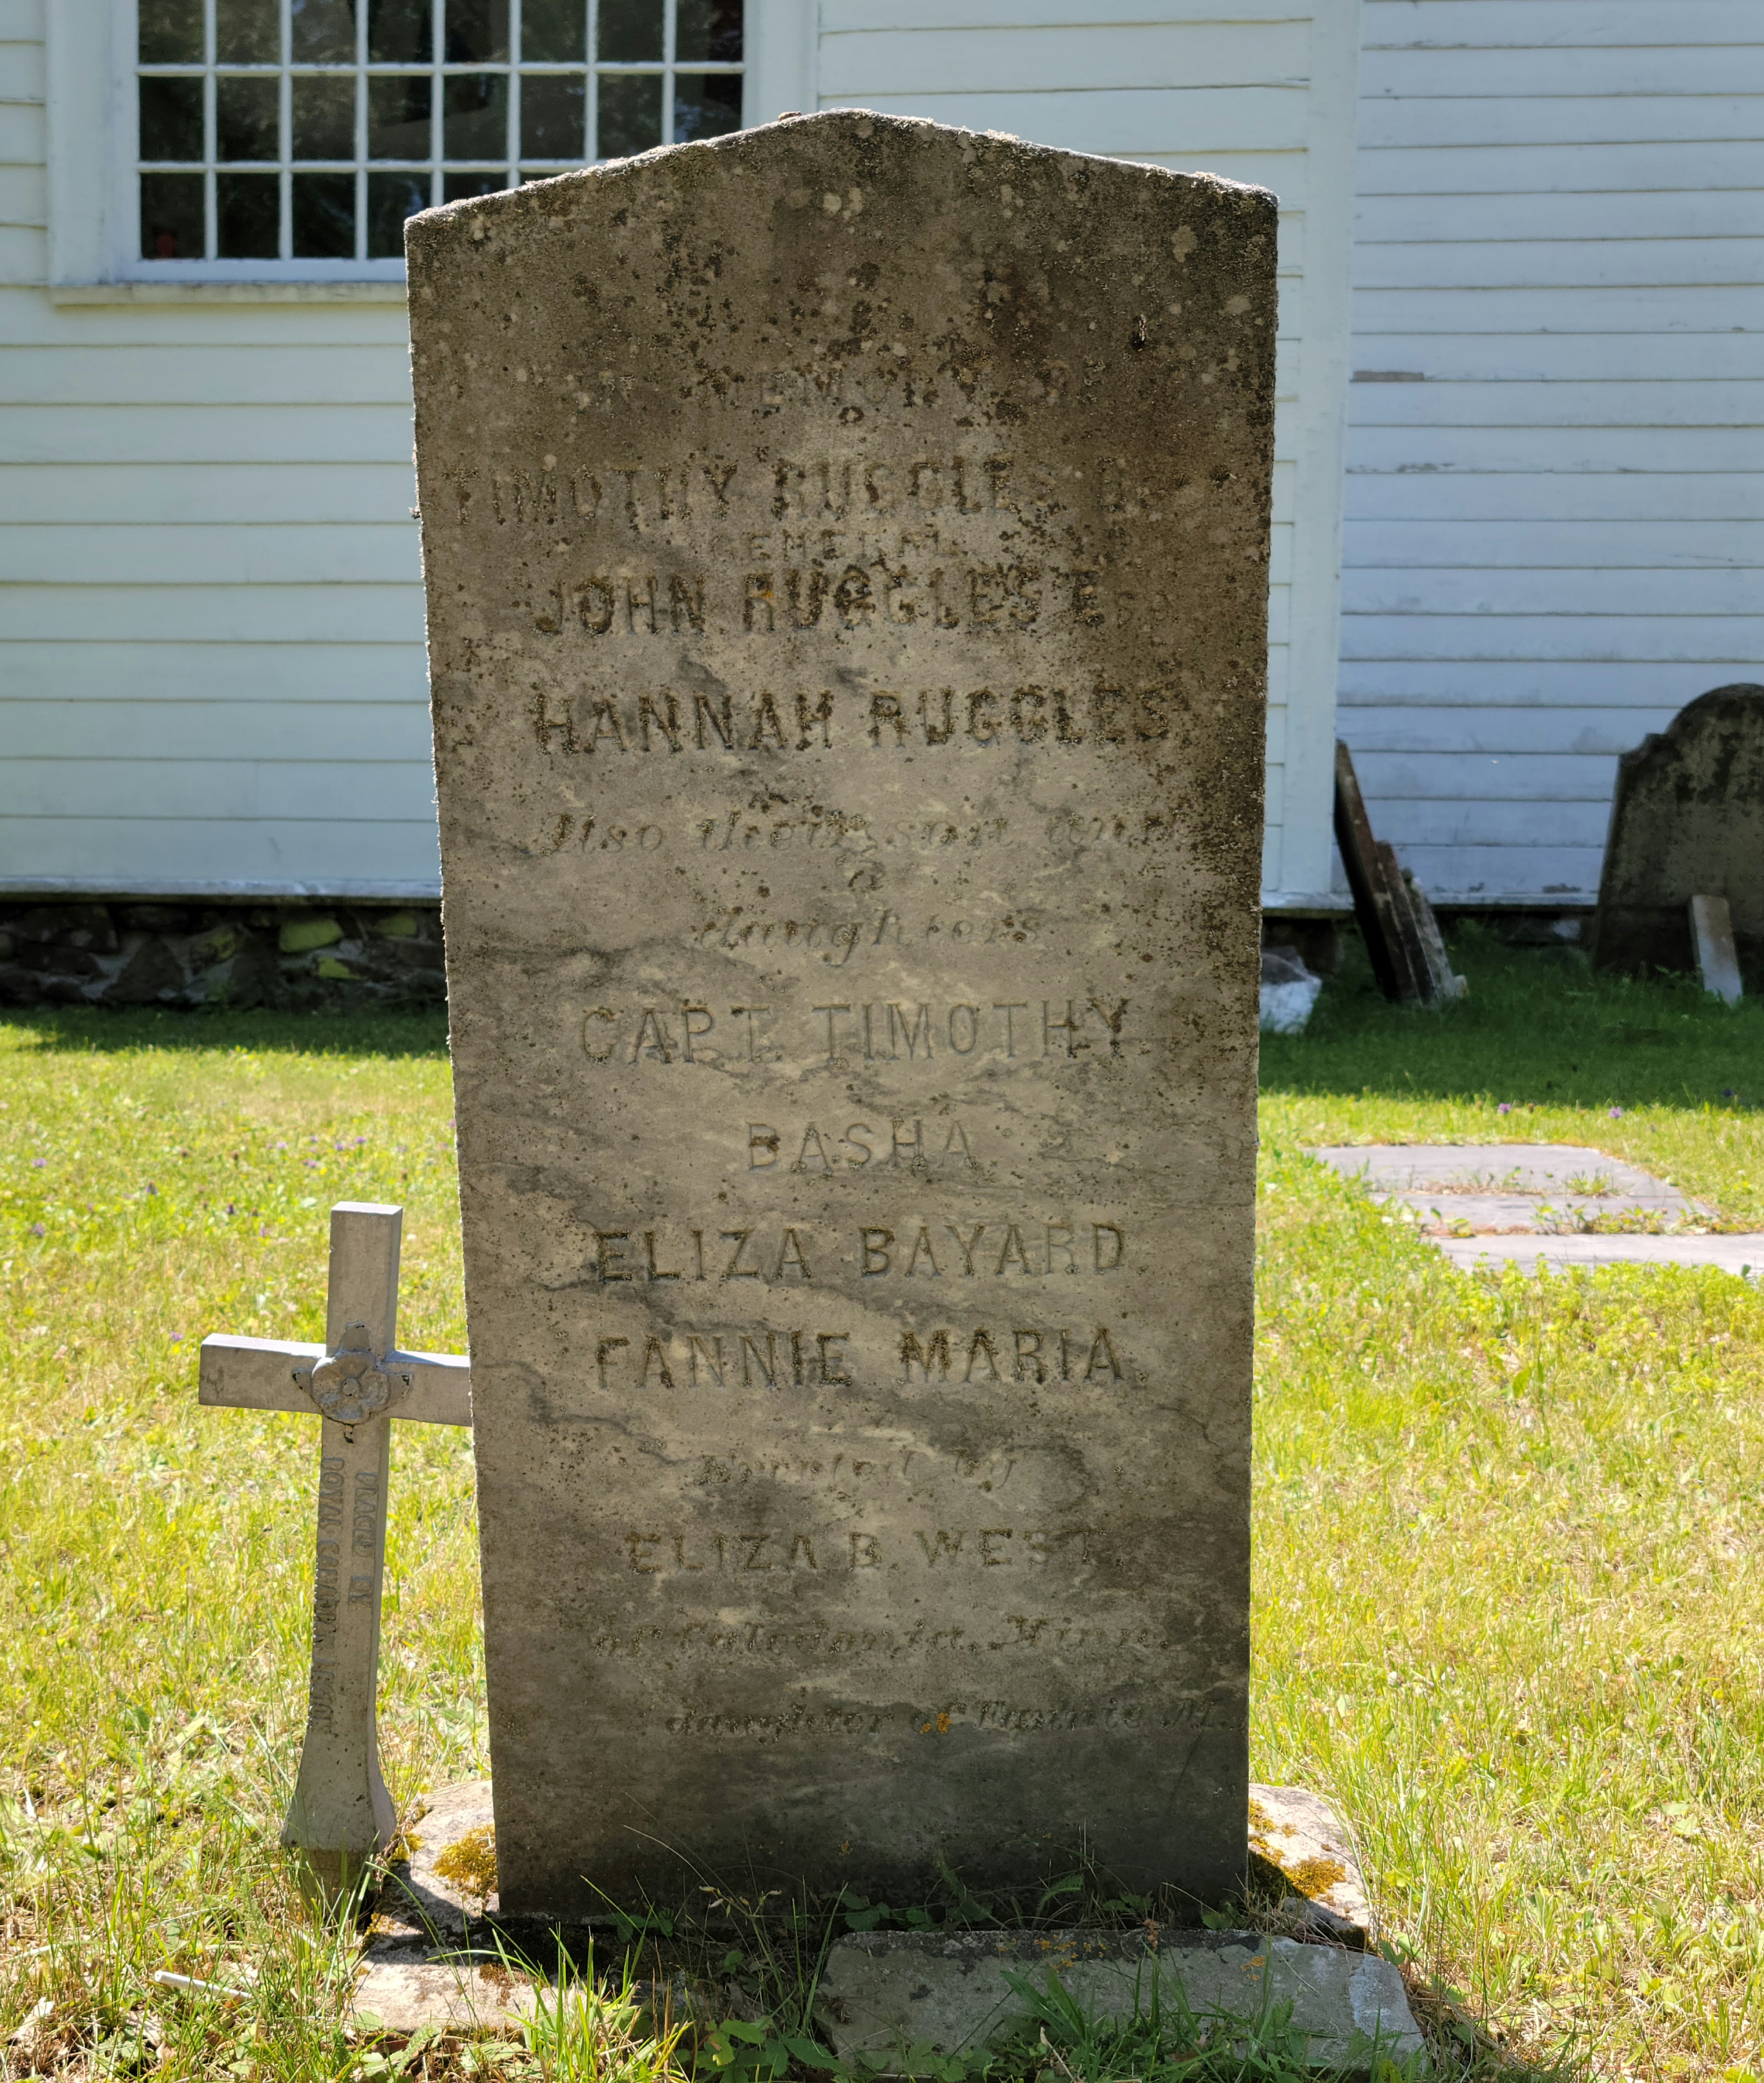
{"x": 1520, "y": 466}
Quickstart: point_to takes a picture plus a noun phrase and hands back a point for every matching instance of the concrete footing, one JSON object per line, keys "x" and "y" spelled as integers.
{"x": 431, "y": 1957}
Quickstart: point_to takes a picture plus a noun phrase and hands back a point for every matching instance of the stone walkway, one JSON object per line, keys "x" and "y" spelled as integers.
{"x": 1535, "y": 1204}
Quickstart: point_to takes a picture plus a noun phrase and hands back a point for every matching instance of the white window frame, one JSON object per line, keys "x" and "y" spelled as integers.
{"x": 95, "y": 214}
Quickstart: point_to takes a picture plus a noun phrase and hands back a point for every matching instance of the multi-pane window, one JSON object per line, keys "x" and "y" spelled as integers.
{"x": 310, "y": 129}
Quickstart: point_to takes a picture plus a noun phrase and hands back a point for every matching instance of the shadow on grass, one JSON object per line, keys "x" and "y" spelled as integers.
{"x": 71, "y": 1030}
{"x": 1539, "y": 1027}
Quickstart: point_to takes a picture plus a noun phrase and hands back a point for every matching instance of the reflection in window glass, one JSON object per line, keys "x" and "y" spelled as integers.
{"x": 554, "y": 115}
{"x": 170, "y": 32}
{"x": 400, "y": 31}
{"x": 308, "y": 133}
{"x": 247, "y": 217}
{"x": 398, "y": 116}
{"x": 705, "y": 104}
{"x": 391, "y": 198}
{"x": 324, "y": 217}
{"x": 554, "y": 32}
{"x": 171, "y": 119}
{"x": 708, "y": 29}
{"x": 474, "y": 116}
{"x": 630, "y": 113}
{"x": 246, "y": 125}
{"x": 324, "y": 112}
{"x": 321, "y": 32}
{"x": 631, "y": 30}
{"x": 477, "y": 31}
{"x": 246, "y": 32}
{"x": 171, "y": 217}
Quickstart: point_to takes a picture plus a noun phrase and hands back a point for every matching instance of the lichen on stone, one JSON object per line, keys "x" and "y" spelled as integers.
{"x": 469, "y": 1865}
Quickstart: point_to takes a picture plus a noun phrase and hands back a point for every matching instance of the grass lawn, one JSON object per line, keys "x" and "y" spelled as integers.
{"x": 1506, "y": 1530}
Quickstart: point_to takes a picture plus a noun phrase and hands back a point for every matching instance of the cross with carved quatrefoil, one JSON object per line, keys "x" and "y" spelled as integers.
{"x": 357, "y": 1382}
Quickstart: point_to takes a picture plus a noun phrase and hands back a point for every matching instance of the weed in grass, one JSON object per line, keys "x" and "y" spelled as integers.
{"x": 583, "y": 2031}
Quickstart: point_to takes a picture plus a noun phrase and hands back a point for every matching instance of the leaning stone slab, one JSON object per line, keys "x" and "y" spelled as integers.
{"x": 882, "y": 1994}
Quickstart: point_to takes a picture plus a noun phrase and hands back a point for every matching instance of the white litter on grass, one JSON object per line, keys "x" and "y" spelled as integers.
{"x": 191, "y": 1987}
{"x": 1289, "y": 992}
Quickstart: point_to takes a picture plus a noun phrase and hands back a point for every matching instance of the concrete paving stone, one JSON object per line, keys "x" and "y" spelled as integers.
{"x": 1742, "y": 1254}
{"x": 1523, "y": 1201}
{"x": 1557, "y": 1171}
{"x": 884, "y": 1993}
{"x": 1527, "y": 1211}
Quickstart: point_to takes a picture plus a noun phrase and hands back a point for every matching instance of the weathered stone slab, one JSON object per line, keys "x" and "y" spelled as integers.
{"x": 418, "y": 1968}
{"x": 882, "y": 1994}
{"x": 1559, "y": 1171}
{"x": 431, "y": 1959}
{"x": 1496, "y": 1187}
{"x": 1687, "y": 820}
{"x": 1736, "y": 1252}
{"x": 1535, "y": 1222}
{"x": 845, "y": 545}
{"x": 475, "y": 1998}
{"x": 420, "y": 1902}
{"x": 1297, "y": 1833}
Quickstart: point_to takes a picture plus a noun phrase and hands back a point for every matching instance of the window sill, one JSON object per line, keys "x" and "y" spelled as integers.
{"x": 226, "y": 293}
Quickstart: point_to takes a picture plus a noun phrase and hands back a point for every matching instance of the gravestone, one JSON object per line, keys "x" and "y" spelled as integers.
{"x": 1687, "y": 820}
{"x": 845, "y": 551}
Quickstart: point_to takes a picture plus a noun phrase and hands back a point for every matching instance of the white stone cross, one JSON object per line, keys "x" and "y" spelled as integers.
{"x": 357, "y": 1382}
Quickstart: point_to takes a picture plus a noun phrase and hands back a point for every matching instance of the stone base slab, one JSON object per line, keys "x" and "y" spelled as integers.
{"x": 884, "y": 1993}
{"x": 424, "y": 1964}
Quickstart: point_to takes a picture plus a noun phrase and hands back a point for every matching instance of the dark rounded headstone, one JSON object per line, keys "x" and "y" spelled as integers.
{"x": 1687, "y": 820}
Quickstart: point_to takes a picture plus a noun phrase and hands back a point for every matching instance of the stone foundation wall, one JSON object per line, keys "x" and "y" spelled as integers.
{"x": 287, "y": 955}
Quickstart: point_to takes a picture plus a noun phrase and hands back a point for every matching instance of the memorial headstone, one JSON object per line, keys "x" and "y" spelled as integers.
{"x": 846, "y": 545}
{"x": 1687, "y": 820}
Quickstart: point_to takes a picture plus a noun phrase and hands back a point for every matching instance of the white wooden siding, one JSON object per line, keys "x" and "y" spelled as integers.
{"x": 1555, "y": 491}
{"x": 1259, "y": 91}
{"x": 211, "y": 619}
{"x": 211, "y": 663}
